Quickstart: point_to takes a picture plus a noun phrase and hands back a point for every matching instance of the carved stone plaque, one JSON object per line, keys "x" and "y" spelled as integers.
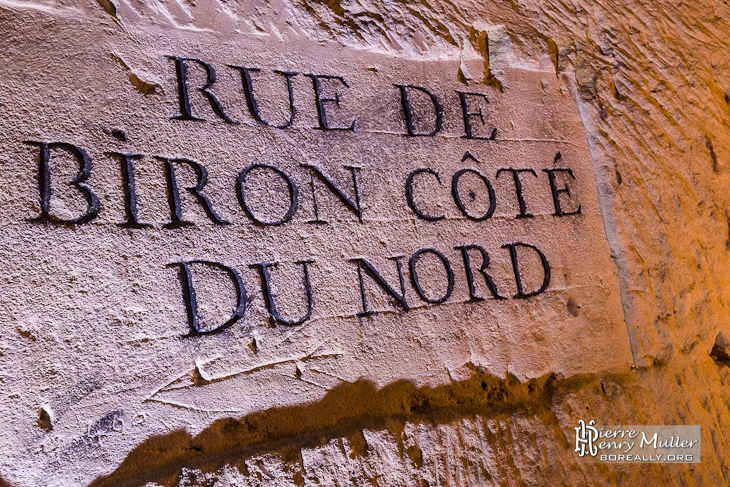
{"x": 196, "y": 228}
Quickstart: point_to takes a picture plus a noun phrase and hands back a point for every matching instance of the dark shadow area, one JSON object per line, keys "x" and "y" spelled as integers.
{"x": 343, "y": 412}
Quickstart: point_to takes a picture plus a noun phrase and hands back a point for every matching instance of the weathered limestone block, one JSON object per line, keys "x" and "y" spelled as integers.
{"x": 350, "y": 243}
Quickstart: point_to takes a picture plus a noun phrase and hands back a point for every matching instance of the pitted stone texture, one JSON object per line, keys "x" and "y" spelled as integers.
{"x": 650, "y": 96}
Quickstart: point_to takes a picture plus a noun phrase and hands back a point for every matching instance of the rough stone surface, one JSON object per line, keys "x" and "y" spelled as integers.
{"x": 98, "y": 387}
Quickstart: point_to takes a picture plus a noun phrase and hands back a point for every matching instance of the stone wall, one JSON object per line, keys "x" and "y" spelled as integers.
{"x": 105, "y": 378}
